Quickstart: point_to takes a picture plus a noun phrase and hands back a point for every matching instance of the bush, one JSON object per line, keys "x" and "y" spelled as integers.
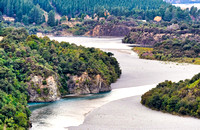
{"x": 44, "y": 82}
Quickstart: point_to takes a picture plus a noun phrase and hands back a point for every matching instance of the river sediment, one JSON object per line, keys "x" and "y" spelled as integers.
{"x": 138, "y": 76}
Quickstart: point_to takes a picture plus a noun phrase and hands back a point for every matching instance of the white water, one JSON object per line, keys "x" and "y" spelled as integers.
{"x": 138, "y": 76}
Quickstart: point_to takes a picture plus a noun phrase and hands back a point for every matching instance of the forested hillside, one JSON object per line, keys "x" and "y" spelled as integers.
{"x": 32, "y": 11}
{"x": 115, "y": 7}
{"x": 175, "y": 42}
{"x": 34, "y": 69}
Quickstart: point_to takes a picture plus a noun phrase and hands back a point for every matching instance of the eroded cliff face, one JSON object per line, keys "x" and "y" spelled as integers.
{"x": 85, "y": 84}
{"x": 42, "y": 89}
{"x": 109, "y": 30}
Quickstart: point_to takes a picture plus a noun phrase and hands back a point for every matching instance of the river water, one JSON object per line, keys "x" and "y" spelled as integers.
{"x": 138, "y": 76}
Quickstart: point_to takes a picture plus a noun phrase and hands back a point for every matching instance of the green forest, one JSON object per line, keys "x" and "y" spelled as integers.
{"x": 32, "y": 11}
{"x": 22, "y": 55}
{"x": 180, "y": 98}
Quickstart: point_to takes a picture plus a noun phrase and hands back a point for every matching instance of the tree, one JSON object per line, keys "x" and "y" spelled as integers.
{"x": 19, "y": 16}
{"x": 193, "y": 11}
{"x": 43, "y": 19}
{"x": 168, "y": 15}
{"x": 1, "y": 30}
{"x": 51, "y": 18}
{"x": 1, "y": 16}
{"x": 63, "y": 18}
{"x": 25, "y": 19}
{"x": 9, "y": 8}
{"x": 35, "y": 15}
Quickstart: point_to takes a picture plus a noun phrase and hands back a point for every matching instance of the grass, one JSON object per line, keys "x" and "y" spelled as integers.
{"x": 141, "y": 50}
{"x": 146, "y": 53}
{"x": 186, "y": 60}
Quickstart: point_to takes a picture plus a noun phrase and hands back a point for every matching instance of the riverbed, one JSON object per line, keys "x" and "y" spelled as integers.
{"x": 138, "y": 76}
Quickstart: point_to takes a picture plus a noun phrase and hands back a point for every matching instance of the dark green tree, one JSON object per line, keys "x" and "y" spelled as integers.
{"x": 35, "y": 15}
{"x": 1, "y": 29}
{"x": 51, "y": 18}
{"x": 43, "y": 19}
{"x": 1, "y": 16}
{"x": 167, "y": 15}
{"x": 25, "y": 19}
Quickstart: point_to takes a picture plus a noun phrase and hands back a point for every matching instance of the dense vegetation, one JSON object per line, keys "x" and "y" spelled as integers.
{"x": 115, "y": 7}
{"x": 177, "y": 98}
{"x": 22, "y": 56}
{"x": 172, "y": 50}
{"x": 175, "y": 42}
{"x": 33, "y": 11}
{"x": 150, "y": 33}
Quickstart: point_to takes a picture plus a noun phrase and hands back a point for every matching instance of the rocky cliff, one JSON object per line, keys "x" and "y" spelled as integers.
{"x": 109, "y": 30}
{"x": 43, "y": 90}
{"x": 85, "y": 84}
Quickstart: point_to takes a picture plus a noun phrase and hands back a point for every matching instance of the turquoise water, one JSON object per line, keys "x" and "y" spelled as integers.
{"x": 34, "y": 106}
{"x": 138, "y": 76}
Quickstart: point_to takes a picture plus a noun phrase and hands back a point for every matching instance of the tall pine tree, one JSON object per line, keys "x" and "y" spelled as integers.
{"x": 51, "y": 18}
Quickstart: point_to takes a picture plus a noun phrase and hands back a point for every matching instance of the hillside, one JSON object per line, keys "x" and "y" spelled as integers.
{"x": 180, "y": 98}
{"x": 182, "y": 1}
{"x": 33, "y": 11}
{"x": 40, "y": 70}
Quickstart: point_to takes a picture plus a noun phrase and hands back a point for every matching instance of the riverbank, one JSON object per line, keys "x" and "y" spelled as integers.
{"x": 132, "y": 114}
{"x": 138, "y": 76}
{"x": 129, "y": 114}
{"x": 147, "y": 53}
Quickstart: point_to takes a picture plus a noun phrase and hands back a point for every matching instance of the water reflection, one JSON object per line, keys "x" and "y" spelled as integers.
{"x": 34, "y": 106}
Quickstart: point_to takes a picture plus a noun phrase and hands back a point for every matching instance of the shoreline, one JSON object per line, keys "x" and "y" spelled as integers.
{"x": 136, "y": 116}
{"x": 135, "y": 72}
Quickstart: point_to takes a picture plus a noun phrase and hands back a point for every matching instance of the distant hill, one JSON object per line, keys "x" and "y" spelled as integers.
{"x": 33, "y": 10}
{"x": 182, "y": 1}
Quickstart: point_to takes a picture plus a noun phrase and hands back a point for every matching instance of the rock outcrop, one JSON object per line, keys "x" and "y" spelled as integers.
{"x": 42, "y": 89}
{"x": 109, "y": 30}
{"x": 85, "y": 84}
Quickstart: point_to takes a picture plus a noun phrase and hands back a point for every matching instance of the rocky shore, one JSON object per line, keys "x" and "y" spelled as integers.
{"x": 47, "y": 90}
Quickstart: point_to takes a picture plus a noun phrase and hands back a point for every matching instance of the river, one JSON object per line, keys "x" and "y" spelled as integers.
{"x": 138, "y": 76}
